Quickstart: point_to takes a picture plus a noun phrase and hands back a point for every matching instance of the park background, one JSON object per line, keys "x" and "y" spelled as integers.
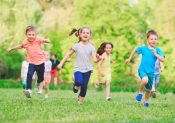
{"x": 124, "y": 23}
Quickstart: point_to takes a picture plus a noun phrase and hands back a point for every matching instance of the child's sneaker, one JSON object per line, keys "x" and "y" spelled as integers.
{"x": 39, "y": 90}
{"x": 46, "y": 96}
{"x": 146, "y": 104}
{"x": 75, "y": 89}
{"x": 28, "y": 93}
{"x": 153, "y": 94}
{"x": 80, "y": 102}
{"x": 108, "y": 98}
{"x": 139, "y": 97}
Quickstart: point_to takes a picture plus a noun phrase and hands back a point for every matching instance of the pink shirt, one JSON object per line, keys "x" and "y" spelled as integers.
{"x": 35, "y": 54}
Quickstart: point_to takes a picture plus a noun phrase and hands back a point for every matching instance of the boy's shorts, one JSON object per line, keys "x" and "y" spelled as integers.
{"x": 150, "y": 78}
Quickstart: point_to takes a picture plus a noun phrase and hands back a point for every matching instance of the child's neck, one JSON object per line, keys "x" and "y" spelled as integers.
{"x": 84, "y": 42}
{"x": 107, "y": 53}
{"x": 150, "y": 46}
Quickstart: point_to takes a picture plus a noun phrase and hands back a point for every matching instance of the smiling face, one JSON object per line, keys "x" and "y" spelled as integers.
{"x": 152, "y": 40}
{"x": 85, "y": 34}
{"x": 108, "y": 48}
{"x": 47, "y": 55}
{"x": 31, "y": 35}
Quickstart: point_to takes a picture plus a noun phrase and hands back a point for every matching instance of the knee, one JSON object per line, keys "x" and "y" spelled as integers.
{"x": 145, "y": 80}
{"x": 148, "y": 91}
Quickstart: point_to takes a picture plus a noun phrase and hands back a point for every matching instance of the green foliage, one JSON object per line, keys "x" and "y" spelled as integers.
{"x": 124, "y": 23}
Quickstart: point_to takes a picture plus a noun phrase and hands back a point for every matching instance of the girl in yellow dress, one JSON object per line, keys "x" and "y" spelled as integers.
{"x": 104, "y": 66}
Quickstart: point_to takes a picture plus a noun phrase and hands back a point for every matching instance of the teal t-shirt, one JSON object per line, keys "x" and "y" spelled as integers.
{"x": 148, "y": 58}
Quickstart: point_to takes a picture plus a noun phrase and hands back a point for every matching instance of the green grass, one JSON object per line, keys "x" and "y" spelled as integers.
{"x": 62, "y": 107}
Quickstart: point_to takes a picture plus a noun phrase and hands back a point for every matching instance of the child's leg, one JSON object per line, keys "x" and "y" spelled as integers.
{"x": 144, "y": 81}
{"x": 147, "y": 94}
{"x": 107, "y": 88}
{"x": 55, "y": 77}
{"x": 24, "y": 82}
{"x": 30, "y": 73}
{"x": 86, "y": 77}
{"x": 154, "y": 83}
{"x": 40, "y": 74}
{"x": 157, "y": 80}
{"x": 47, "y": 82}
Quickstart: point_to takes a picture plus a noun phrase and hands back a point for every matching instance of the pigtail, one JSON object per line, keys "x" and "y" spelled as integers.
{"x": 73, "y": 32}
{"x": 101, "y": 50}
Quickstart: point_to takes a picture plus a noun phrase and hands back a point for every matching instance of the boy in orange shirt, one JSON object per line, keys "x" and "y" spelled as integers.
{"x": 35, "y": 57}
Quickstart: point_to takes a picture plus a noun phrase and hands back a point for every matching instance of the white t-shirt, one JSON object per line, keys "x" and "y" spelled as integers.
{"x": 48, "y": 67}
{"x": 83, "y": 57}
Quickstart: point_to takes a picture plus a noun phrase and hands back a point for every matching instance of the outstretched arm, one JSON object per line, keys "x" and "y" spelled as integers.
{"x": 160, "y": 58}
{"x": 161, "y": 67}
{"x": 131, "y": 55}
{"x": 14, "y": 48}
{"x": 96, "y": 57}
{"x": 46, "y": 41}
{"x": 67, "y": 56}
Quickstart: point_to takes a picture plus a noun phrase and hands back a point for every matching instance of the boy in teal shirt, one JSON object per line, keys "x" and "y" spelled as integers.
{"x": 147, "y": 67}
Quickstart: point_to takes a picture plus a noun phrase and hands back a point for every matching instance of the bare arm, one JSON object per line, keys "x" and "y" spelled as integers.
{"x": 96, "y": 57}
{"x": 99, "y": 68}
{"x": 160, "y": 58}
{"x": 131, "y": 55}
{"x": 46, "y": 41}
{"x": 14, "y": 48}
{"x": 161, "y": 66}
{"x": 67, "y": 56}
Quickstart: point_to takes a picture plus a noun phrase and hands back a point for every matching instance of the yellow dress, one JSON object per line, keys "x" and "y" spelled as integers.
{"x": 105, "y": 68}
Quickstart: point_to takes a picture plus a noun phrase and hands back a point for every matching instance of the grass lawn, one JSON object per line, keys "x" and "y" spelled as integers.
{"x": 62, "y": 107}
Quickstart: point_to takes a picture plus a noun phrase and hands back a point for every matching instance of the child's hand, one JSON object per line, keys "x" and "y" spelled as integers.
{"x": 127, "y": 61}
{"x": 102, "y": 74}
{"x": 59, "y": 66}
{"x": 9, "y": 49}
{"x": 154, "y": 51}
{"x": 99, "y": 57}
{"x": 68, "y": 60}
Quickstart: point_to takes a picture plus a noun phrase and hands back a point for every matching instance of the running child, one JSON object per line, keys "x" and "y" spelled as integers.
{"x": 82, "y": 66}
{"x": 55, "y": 63}
{"x": 150, "y": 53}
{"x": 47, "y": 73}
{"x": 104, "y": 66}
{"x": 24, "y": 70}
{"x": 158, "y": 68}
{"x": 35, "y": 57}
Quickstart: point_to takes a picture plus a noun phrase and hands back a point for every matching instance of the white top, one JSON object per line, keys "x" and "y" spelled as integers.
{"x": 83, "y": 57}
{"x": 48, "y": 67}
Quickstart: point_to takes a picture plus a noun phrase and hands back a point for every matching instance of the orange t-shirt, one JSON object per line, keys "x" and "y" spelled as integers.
{"x": 35, "y": 54}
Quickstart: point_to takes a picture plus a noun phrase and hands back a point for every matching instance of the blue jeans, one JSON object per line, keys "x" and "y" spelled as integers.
{"x": 40, "y": 73}
{"x": 82, "y": 79}
{"x": 156, "y": 79}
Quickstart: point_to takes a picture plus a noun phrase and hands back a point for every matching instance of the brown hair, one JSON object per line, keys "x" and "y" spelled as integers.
{"x": 151, "y": 32}
{"x": 101, "y": 49}
{"x": 30, "y": 28}
{"x": 77, "y": 32}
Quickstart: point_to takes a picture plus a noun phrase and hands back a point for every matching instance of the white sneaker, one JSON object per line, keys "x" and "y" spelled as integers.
{"x": 108, "y": 98}
{"x": 39, "y": 90}
{"x": 46, "y": 96}
{"x": 80, "y": 102}
{"x": 28, "y": 93}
